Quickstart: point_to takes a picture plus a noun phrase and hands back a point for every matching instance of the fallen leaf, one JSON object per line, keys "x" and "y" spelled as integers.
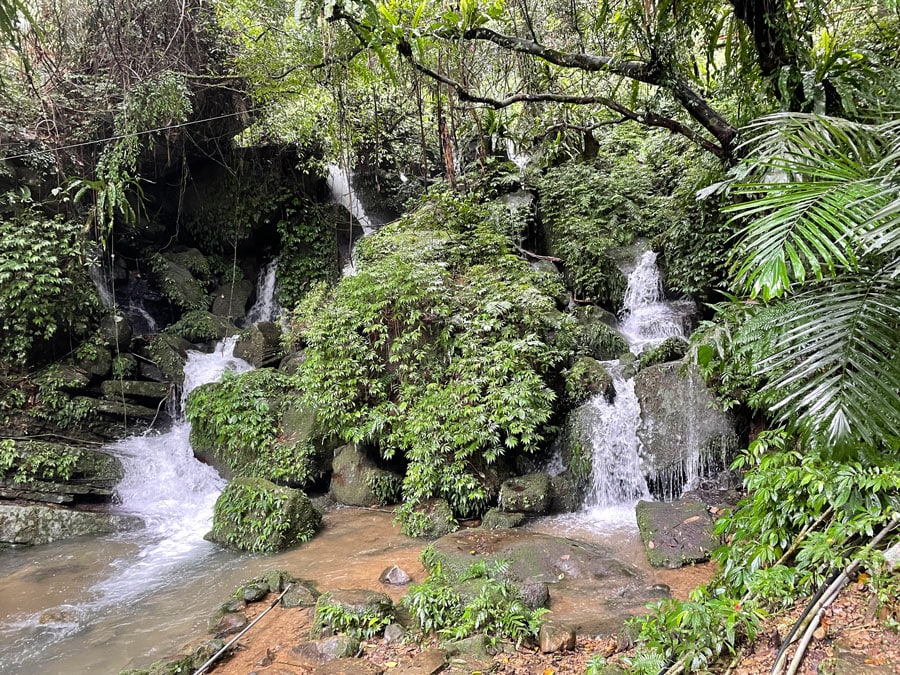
{"x": 692, "y": 519}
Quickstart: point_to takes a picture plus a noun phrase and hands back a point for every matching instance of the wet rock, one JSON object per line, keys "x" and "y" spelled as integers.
{"x": 116, "y": 332}
{"x": 57, "y": 616}
{"x": 118, "y": 409}
{"x": 394, "y": 576}
{"x": 98, "y": 363}
{"x": 300, "y": 595}
{"x": 526, "y": 494}
{"x": 594, "y": 334}
{"x": 290, "y": 363}
{"x": 684, "y": 435}
{"x": 564, "y": 495}
{"x": 499, "y": 520}
{"x": 254, "y": 592}
{"x": 230, "y": 623}
{"x": 440, "y": 517}
{"x": 201, "y": 326}
{"x": 168, "y": 353}
{"x": 178, "y": 284}
{"x": 260, "y": 344}
{"x": 356, "y": 481}
{"x": 586, "y": 378}
{"x": 677, "y": 533}
{"x": 33, "y": 525}
{"x": 556, "y": 637}
{"x": 150, "y": 391}
{"x": 670, "y": 349}
{"x": 230, "y": 300}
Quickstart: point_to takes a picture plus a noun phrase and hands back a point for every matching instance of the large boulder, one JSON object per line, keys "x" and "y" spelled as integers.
{"x": 116, "y": 332}
{"x": 260, "y": 344}
{"x": 684, "y": 434}
{"x": 174, "y": 273}
{"x": 34, "y": 525}
{"x": 677, "y": 533}
{"x": 586, "y": 378}
{"x": 230, "y": 300}
{"x": 253, "y": 514}
{"x": 152, "y": 392}
{"x": 169, "y": 353}
{"x": 201, "y": 326}
{"x": 356, "y": 481}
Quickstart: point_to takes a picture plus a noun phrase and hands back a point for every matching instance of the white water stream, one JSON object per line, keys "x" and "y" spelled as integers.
{"x": 266, "y": 307}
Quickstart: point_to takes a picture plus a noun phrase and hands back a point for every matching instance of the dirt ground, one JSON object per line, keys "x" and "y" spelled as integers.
{"x": 854, "y": 639}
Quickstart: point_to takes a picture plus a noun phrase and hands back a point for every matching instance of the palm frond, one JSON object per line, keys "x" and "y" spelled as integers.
{"x": 834, "y": 372}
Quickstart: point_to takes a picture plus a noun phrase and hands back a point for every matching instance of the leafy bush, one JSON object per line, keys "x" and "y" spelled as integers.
{"x": 435, "y": 351}
{"x": 39, "y": 461}
{"x": 44, "y": 285}
{"x": 364, "y": 624}
{"x": 496, "y": 610}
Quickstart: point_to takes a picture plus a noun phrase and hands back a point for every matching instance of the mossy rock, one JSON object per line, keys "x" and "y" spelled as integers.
{"x": 526, "y": 494}
{"x": 670, "y": 349}
{"x": 434, "y": 518}
{"x": 99, "y": 363}
{"x": 362, "y": 604}
{"x": 356, "y": 481}
{"x": 260, "y": 344}
{"x": 153, "y": 391}
{"x": 586, "y": 378}
{"x": 115, "y": 330}
{"x": 677, "y": 533}
{"x": 169, "y": 353}
{"x": 500, "y": 520}
{"x": 179, "y": 285}
{"x": 253, "y": 514}
{"x": 230, "y": 300}
{"x": 201, "y": 326}
{"x": 564, "y": 495}
{"x": 34, "y": 525}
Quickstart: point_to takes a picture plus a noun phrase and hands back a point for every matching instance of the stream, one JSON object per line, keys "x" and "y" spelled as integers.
{"x": 105, "y": 604}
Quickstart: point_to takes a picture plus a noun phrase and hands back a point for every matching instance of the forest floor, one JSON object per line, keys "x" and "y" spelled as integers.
{"x": 855, "y": 638}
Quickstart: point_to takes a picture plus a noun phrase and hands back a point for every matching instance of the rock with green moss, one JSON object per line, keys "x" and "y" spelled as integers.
{"x": 173, "y": 274}
{"x": 526, "y": 494}
{"x": 432, "y": 518}
{"x": 495, "y": 519}
{"x": 169, "y": 353}
{"x": 586, "y": 378}
{"x": 353, "y": 611}
{"x": 230, "y": 300}
{"x": 201, "y": 326}
{"x": 115, "y": 330}
{"x": 356, "y": 481}
{"x": 98, "y": 362}
{"x": 670, "y": 349}
{"x": 35, "y": 525}
{"x": 260, "y": 344}
{"x": 253, "y": 514}
{"x": 676, "y": 533}
{"x": 575, "y": 447}
{"x": 564, "y": 496}
{"x": 135, "y": 389}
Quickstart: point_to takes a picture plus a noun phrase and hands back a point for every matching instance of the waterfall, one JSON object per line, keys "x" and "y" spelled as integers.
{"x": 342, "y": 193}
{"x": 265, "y": 308}
{"x": 611, "y": 429}
{"x": 517, "y": 157}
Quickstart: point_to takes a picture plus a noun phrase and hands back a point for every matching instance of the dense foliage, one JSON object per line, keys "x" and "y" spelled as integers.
{"x": 436, "y": 351}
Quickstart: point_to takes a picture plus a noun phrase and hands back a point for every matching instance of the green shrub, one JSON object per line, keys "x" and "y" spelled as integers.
{"x": 435, "y": 351}
{"x": 36, "y": 461}
{"x": 365, "y": 624}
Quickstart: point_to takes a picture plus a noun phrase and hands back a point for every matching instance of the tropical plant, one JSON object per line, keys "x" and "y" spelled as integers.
{"x": 820, "y": 213}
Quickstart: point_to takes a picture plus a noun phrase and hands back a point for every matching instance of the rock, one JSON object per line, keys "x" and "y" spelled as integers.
{"x": 564, "y": 495}
{"x": 534, "y": 593}
{"x": 594, "y": 335}
{"x": 178, "y": 284}
{"x": 394, "y": 633}
{"x": 254, "y": 592}
{"x": 300, "y": 595}
{"x": 360, "y": 602}
{"x": 356, "y": 481}
{"x": 52, "y": 616}
{"x": 670, "y": 349}
{"x": 440, "y": 518}
{"x": 116, "y": 332}
{"x": 677, "y": 533}
{"x": 118, "y": 409}
{"x": 463, "y": 664}
{"x": 253, "y": 514}
{"x": 290, "y": 363}
{"x": 556, "y": 637}
{"x": 892, "y": 557}
{"x": 394, "y": 576}
{"x": 99, "y": 363}
{"x": 476, "y": 645}
{"x": 850, "y": 660}
{"x": 152, "y": 391}
{"x": 684, "y": 436}
{"x": 33, "y": 525}
{"x": 349, "y": 666}
{"x": 260, "y": 344}
{"x": 201, "y": 326}
{"x": 526, "y": 494}
{"x": 299, "y": 439}
{"x": 230, "y": 623}
{"x": 499, "y": 520}
{"x": 64, "y": 376}
{"x": 230, "y": 300}
{"x": 168, "y": 353}
{"x": 586, "y": 378}
{"x": 427, "y": 662}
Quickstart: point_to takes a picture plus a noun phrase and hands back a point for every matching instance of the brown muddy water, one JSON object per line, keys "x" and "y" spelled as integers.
{"x": 81, "y": 607}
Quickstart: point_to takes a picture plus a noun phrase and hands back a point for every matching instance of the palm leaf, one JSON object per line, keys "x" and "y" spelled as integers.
{"x": 833, "y": 369}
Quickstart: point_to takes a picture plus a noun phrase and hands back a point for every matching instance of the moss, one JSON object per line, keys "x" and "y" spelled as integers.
{"x": 670, "y": 349}
{"x": 586, "y": 378}
{"x": 200, "y": 326}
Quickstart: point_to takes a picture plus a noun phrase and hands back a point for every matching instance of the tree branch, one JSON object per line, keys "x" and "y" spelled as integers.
{"x": 647, "y": 118}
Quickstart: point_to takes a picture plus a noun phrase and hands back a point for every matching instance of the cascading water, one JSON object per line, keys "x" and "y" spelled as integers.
{"x": 342, "y": 192}
{"x": 173, "y": 495}
{"x": 266, "y": 307}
